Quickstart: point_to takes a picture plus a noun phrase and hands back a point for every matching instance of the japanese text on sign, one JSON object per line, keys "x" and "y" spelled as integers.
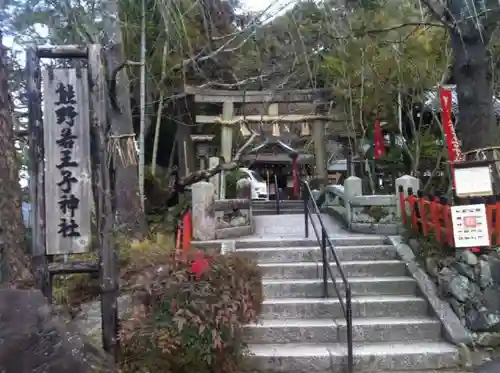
{"x": 470, "y": 225}
{"x": 68, "y": 202}
{"x": 68, "y": 196}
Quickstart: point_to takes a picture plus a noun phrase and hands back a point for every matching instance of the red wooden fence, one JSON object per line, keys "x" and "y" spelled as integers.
{"x": 431, "y": 216}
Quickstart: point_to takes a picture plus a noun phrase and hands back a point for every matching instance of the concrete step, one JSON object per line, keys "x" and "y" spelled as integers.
{"x": 368, "y": 357}
{"x": 336, "y": 240}
{"x": 307, "y": 288}
{"x": 313, "y": 254}
{"x": 362, "y": 306}
{"x": 382, "y": 329}
{"x": 310, "y": 270}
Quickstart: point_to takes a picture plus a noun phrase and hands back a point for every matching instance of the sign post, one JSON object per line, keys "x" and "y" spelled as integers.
{"x": 68, "y": 180}
{"x": 470, "y": 224}
{"x": 473, "y": 179}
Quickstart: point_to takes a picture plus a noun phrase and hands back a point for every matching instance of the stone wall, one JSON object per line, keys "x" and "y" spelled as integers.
{"x": 219, "y": 219}
{"x": 232, "y": 213}
{"x": 471, "y": 285}
{"x": 378, "y": 214}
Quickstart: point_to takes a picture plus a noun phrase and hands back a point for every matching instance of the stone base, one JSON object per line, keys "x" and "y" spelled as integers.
{"x": 233, "y": 232}
{"x": 374, "y": 228}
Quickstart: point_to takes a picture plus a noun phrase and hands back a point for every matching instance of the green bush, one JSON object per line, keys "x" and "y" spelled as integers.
{"x": 134, "y": 256}
{"x": 231, "y": 180}
{"x": 185, "y": 323}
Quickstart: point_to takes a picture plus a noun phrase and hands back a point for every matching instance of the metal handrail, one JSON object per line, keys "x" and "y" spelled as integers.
{"x": 325, "y": 242}
{"x": 276, "y": 195}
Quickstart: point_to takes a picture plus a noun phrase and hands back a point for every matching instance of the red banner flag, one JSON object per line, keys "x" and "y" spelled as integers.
{"x": 452, "y": 144}
{"x": 378, "y": 140}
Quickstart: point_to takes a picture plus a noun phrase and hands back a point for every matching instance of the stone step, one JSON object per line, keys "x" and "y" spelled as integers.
{"x": 382, "y": 329}
{"x": 313, "y": 254}
{"x": 336, "y": 240}
{"x": 305, "y": 288}
{"x": 309, "y": 270}
{"x": 287, "y": 211}
{"x": 362, "y": 306}
{"x": 285, "y": 203}
{"x": 368, "y": 357}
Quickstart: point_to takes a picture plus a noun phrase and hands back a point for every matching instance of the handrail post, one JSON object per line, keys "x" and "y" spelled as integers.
{"x": 325, "y": 243}
{"x": 350, "y": 353}
{"x": 325, "y": 263}
{"x": 277, "y": 195}
{"x": 304, "y": 199}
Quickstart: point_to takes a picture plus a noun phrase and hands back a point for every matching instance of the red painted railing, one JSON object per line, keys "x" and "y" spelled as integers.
{"x": 431, "y": 216}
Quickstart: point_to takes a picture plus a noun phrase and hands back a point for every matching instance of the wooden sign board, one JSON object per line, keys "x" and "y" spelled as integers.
{"x": 473, "y": 181}
{"x": 68, "y": 186}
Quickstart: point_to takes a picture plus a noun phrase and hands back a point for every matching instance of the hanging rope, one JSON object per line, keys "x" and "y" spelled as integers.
{"x": 122, "y": 148}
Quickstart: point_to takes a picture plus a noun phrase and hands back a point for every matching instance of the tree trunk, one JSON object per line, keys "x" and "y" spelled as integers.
{"x": 477, "y": 125}
{"x": 15, "y": 260}
{"x": 129, "y": 213}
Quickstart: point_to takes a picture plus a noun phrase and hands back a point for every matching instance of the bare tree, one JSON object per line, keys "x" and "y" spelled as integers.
{"x": 471, "y": 24}
{"x": 12, "y": 242}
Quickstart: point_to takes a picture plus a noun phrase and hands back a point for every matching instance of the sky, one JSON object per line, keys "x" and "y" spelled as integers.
{"x": 260, "y": 5}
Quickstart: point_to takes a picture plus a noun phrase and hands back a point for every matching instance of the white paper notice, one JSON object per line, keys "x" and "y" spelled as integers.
{"x": 470, "y": 225}
{"x": 474, "y": 181}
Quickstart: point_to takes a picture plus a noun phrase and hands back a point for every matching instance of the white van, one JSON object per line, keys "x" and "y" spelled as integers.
{"x": 259, "y": 186}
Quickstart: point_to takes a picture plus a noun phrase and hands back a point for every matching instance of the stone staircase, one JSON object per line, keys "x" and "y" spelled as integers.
{"x": 302, "y": 332}
{"x": 269, "y": 207}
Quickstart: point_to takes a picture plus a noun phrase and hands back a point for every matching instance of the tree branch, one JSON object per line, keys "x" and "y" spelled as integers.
{"x": 180, "y": 185}
{"x": 442, "y": 17}
{"x": 234, "y": 85}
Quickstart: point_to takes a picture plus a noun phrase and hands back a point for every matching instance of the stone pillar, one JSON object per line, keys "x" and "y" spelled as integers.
{"x": 352, "y": 187}
{"x": 243, "y": 189}
{"x": 216, "y": 179}
{"x": 202, "y": 196}
{"x": 226, "y": 142}
{"x": 406, "y": 182}
{"x": 318, "y": 135}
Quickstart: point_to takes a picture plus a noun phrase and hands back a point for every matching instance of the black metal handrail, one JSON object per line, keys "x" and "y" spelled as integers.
{"x": 325, "y": 242}
{"x": 276, "y": 195}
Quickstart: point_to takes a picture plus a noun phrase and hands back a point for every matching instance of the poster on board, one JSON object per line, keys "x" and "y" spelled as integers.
{"x": 470, "y": 225}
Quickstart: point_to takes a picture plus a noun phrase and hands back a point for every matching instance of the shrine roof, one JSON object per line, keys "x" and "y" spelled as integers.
{"x": 274, "y": 145}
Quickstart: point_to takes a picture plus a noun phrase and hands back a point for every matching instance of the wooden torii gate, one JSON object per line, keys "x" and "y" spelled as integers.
{"x": 269, "y": 108}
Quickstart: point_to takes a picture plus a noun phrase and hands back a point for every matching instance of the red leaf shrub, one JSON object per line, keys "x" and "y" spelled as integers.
{"x": 189, "y": 313}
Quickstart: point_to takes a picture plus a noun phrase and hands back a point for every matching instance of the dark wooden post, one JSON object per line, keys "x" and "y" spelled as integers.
{"x": 295, "y": 175}
{"x": 104, "y": 211}
{"x": 37, "y": 173}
